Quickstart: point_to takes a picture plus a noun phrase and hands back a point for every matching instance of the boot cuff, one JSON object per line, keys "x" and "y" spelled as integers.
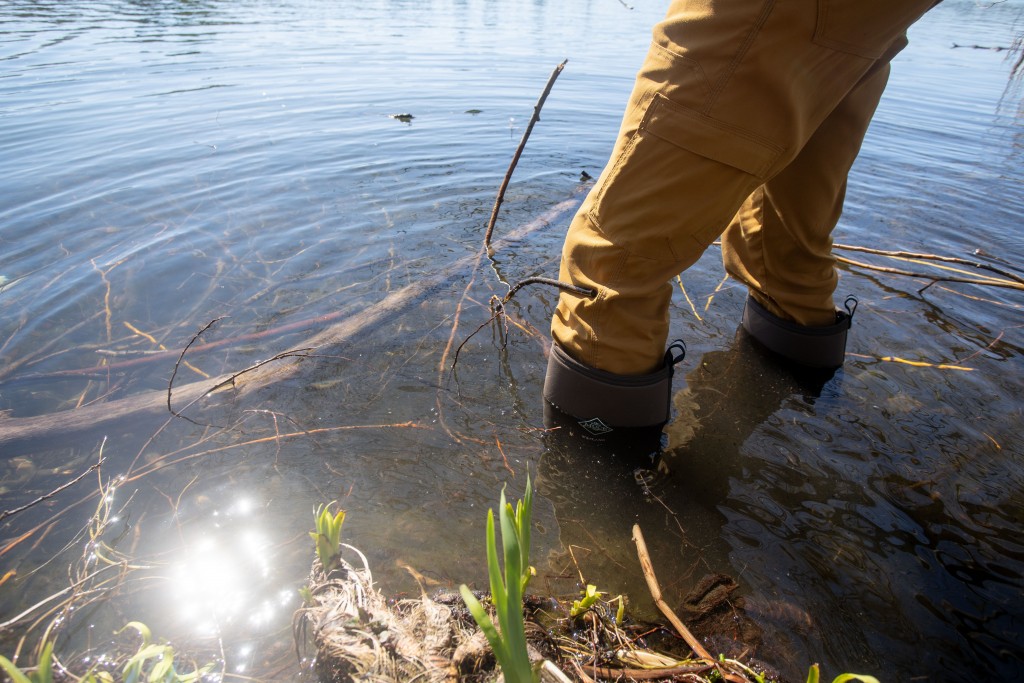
{"x": 814, "y": 347}
{"x": 611, "y": 400}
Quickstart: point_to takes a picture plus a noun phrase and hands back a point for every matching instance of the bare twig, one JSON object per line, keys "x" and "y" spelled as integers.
{"x": 498, "y": 305}
{"x": 652, "y": 585}
{"x": 932, "y": 257}
{"x": 7, "y": 513}
{"x": 564, "y": 286}
{"x": 177, "y": 363}
{"x": 989, "y": 282}
{"x": 617, "y": 674}
{"x": 518, "y": 153}
{"x": 230, "y": 380}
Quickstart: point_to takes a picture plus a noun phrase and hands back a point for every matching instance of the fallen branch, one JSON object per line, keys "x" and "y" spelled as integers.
{"x": 909, "y": 255}
{"x": 652, "y": 585}
{"x": 7, "y": 513}
{"x": 989, "y": 282}
{"x": 617, "y": 674}
{"x": 20, "y": 434}
{"x": 498, "y": 306}
{"x": 515, "y": 157}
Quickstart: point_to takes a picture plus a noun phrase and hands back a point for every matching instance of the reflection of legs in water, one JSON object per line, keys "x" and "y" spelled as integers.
{"x": 727, "y": 397}
{"x": 598, "y": 492}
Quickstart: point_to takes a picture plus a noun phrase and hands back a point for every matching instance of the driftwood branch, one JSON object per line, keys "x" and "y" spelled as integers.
{"x": 652, "y": 585}
{"x": 515, "y": 157}
{"x": 933, "y": 257}
{"x": 988, "y": 282}
{"x": 20, "y": 434}
{"x": 7, "y": 513}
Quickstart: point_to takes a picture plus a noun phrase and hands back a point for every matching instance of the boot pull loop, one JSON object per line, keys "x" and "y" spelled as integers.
{"x": 851, "y": 305}
{"x": 674, "y": 354}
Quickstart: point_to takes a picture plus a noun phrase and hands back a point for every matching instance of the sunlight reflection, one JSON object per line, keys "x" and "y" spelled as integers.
{"x": 221, "y": 579}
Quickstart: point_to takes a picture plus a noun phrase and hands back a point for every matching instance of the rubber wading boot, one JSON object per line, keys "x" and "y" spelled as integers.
{"x": 627, "y": 411}
{"x": 813, "y": 347}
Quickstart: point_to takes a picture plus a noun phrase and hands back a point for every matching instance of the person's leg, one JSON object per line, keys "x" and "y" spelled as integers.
{"x": 779, "y": 243}
{"x": 728, "y": 95}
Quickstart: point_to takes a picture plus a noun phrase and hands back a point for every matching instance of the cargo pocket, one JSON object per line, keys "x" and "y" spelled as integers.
{"x": 865, "y": 28}
{"x": 678, "y": 181}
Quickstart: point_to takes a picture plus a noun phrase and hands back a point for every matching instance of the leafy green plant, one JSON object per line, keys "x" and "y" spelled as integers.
{"x": 507, "y": 588}
{"x": 590, "y": 598}
{"x": 814, "y": 676}
{"x": 327, "y": 535}
{"x": 42, "y": 674}
{"x": 155, "y": 663}
{"x": 151, "y": 663}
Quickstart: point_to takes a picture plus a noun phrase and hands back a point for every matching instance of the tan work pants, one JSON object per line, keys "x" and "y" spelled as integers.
{"x": 745, "y": 120}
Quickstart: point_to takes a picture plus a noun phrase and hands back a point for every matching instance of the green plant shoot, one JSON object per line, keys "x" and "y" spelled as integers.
{"x": 509, "y": 644}
{"x": 814, "y": 676}
{"x": 44, "y": 670}
{"x": 155, "y": 663}
{"x": 590, "y": 598}
{"x": 42, "y": 674}
{"x": 327, "y": 535}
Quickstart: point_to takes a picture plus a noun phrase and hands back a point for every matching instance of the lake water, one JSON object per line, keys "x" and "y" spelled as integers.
{"x": 165, "y": 164}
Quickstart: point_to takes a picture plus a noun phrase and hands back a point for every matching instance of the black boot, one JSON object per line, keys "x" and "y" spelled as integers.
{"x": 624, "y": 413}
{"x": 813, "y": 347}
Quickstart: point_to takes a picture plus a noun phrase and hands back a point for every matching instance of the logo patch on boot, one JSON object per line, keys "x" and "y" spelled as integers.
{"x": 595, "y": 426}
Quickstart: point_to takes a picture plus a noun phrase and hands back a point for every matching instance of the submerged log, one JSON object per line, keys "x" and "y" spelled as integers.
{"x": 26, "y": 434}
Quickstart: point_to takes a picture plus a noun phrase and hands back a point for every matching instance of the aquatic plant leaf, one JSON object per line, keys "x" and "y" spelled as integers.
{"x": 498, "y": 594}
{"x": 163, "y": 670}
{"x": 147, "y": 635}
{"x": 487, "y": 626}
{"x": 16, "y": 674}
{"x": 842, "y": 678}
{"x": 523, "y": 519}
{"x": 590, "y": 597}
{"x": 44, "y": 669}
{"x": 506, "y": 592}
{"x": 511, "y": 618}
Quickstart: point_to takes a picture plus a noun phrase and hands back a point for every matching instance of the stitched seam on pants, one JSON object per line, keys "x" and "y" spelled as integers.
{"x": 766, "y": 10}
{"x": 627, "y": 150}
{"x": 603, "y": 297}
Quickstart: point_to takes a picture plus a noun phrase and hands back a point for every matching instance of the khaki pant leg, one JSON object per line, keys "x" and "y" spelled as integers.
{"x": 779, "y": 244}
{"x": 728, "y": 95}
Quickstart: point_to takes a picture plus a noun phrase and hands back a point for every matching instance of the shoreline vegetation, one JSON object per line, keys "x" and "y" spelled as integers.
{"x": 347, "y": 630}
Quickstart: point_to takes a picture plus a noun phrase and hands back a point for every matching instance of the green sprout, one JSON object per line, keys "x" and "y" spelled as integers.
{"x": 814, "y": 676}
{"x": 328, "y": 535}
{"x": 42, "y": 674}
{"x": 590, "y": 598}
{"x": 155, "y": 663}
{"x": 509, "y": 644}
{"x": 151, "y": 663}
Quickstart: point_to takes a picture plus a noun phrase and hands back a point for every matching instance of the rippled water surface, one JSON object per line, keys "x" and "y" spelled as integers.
{"x": 168, "y": 164}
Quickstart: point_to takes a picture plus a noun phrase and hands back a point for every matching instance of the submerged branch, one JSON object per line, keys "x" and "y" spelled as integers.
{"x": 990, "y": 282}
{"x": 652, "y": 585}
{"x": 7, "y": 513}
{"x": 908, "y": 255}
{"x": 18, "y": 434}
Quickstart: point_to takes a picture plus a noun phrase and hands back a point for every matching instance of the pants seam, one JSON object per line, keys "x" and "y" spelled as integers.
{"x": 766, "y": 10}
